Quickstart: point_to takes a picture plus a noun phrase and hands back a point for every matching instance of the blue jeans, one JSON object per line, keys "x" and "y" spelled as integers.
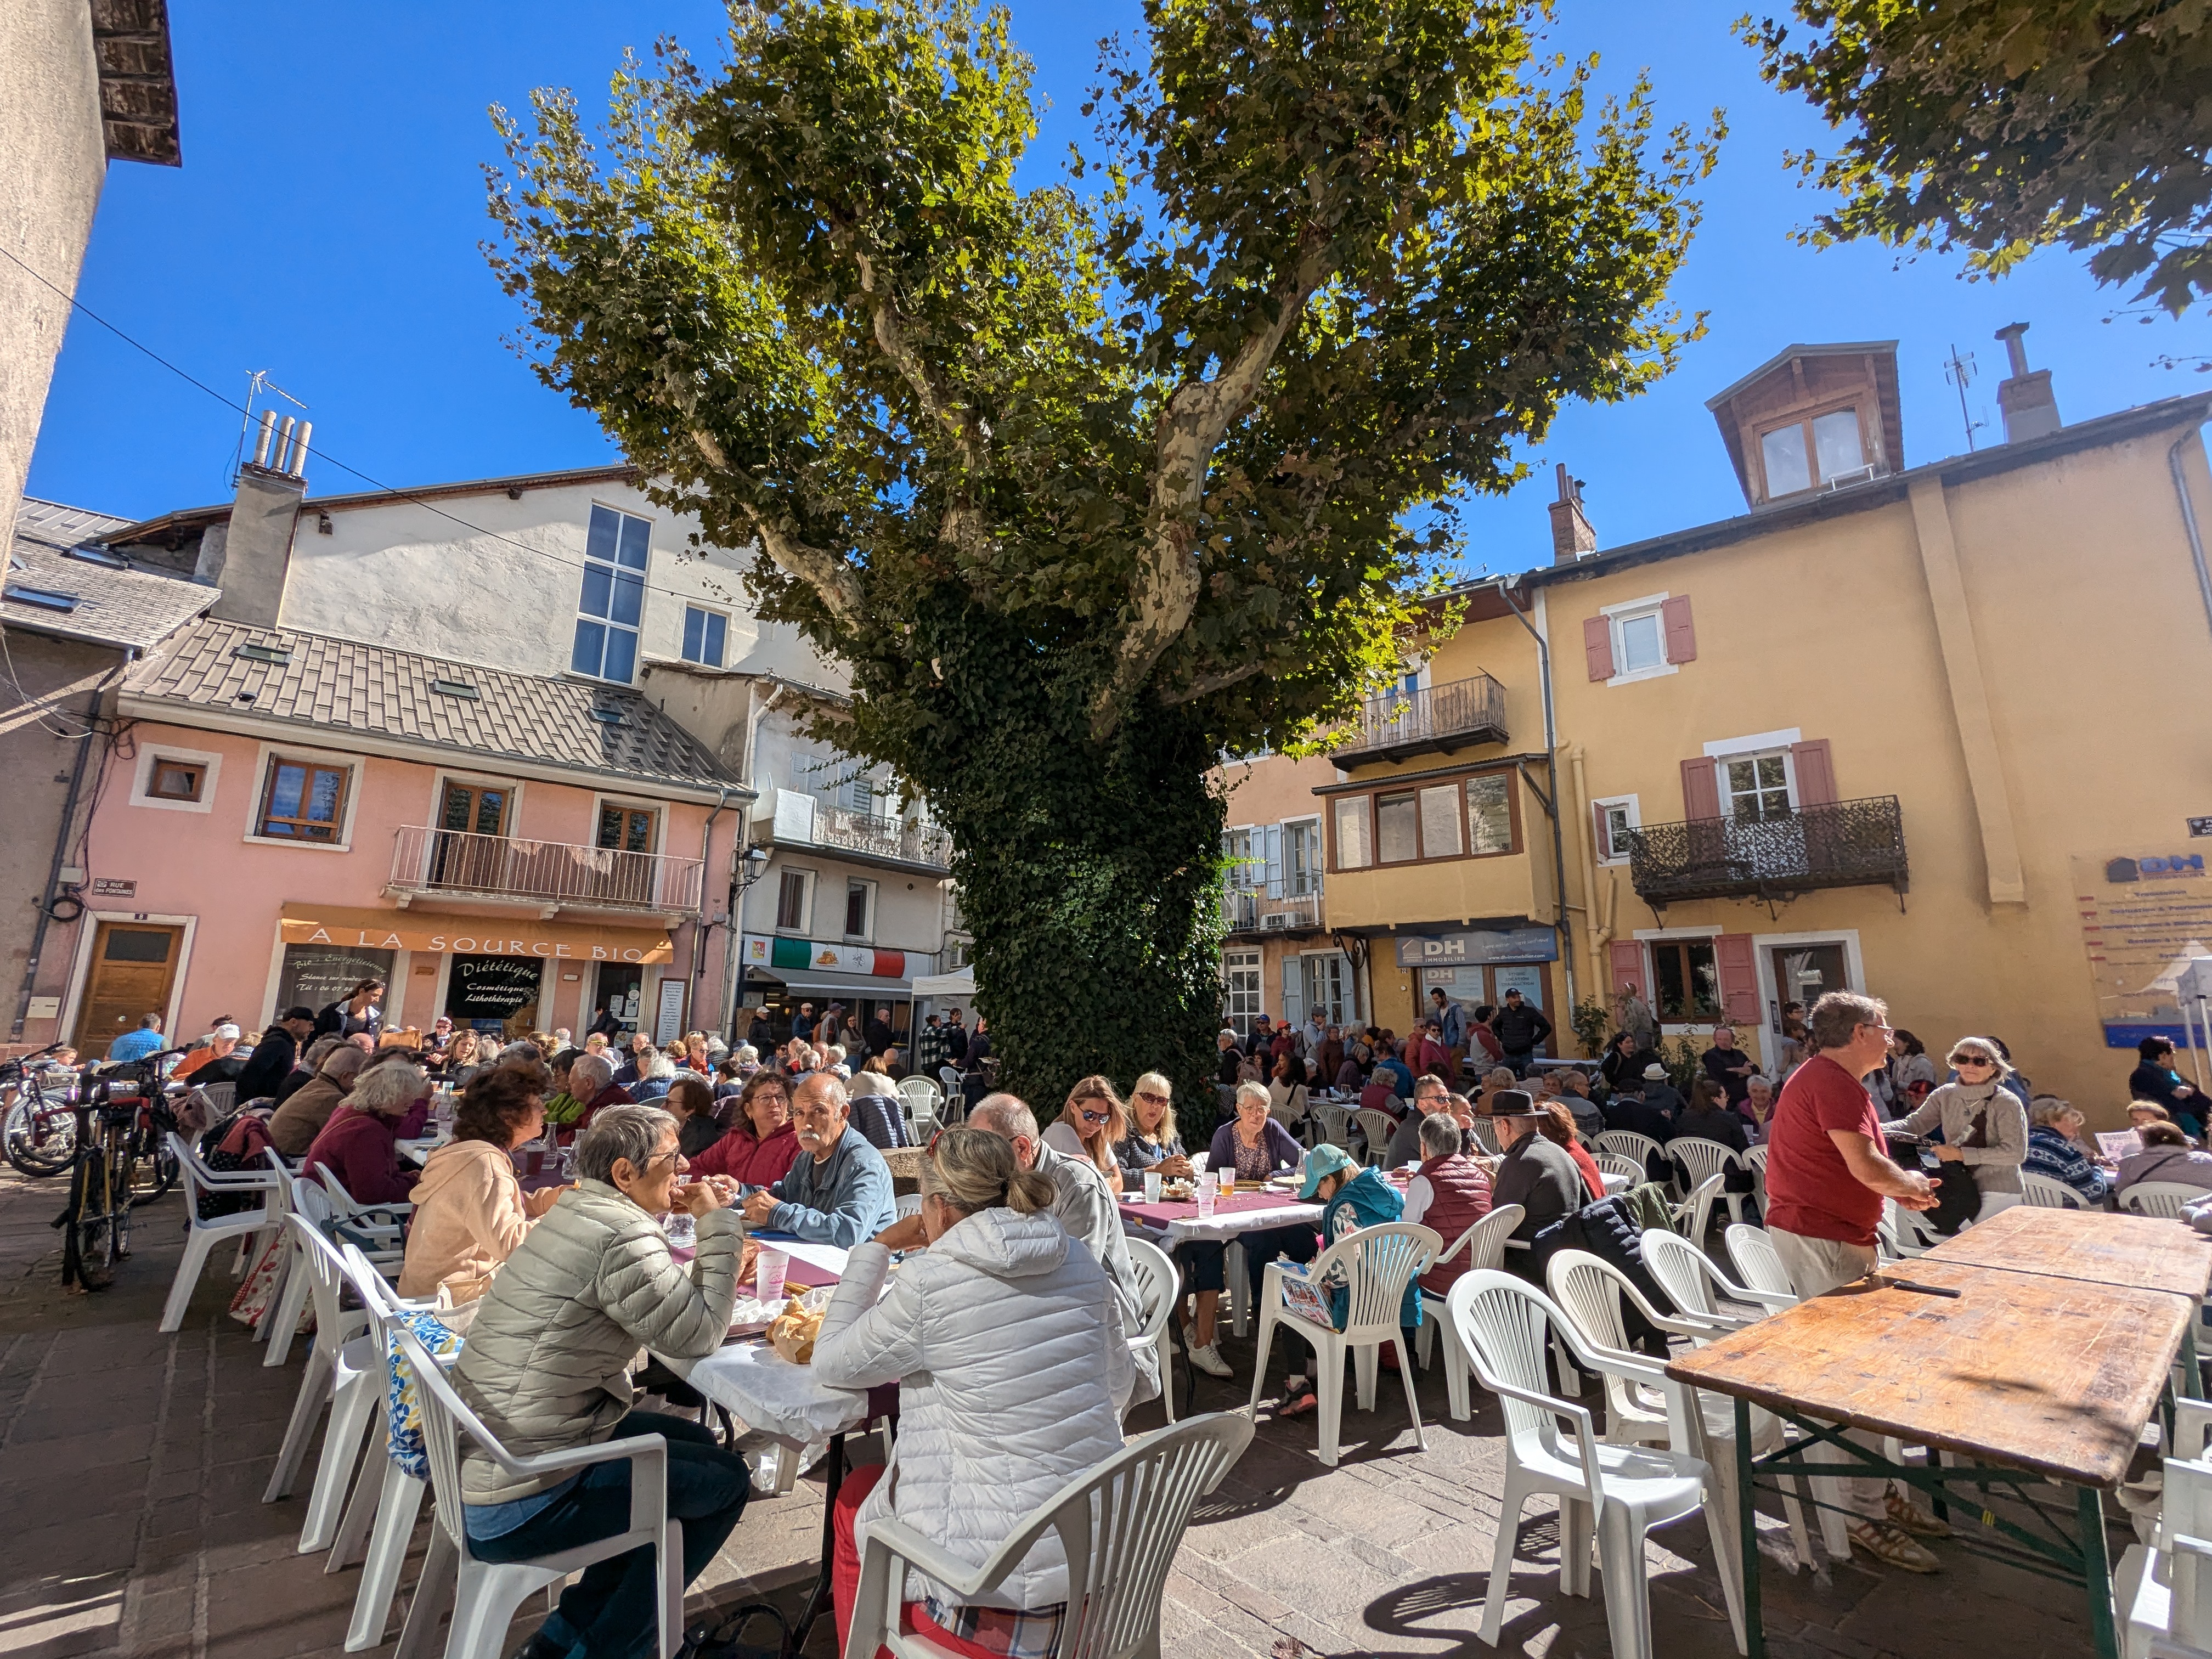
{"x": 609, "y": 1613}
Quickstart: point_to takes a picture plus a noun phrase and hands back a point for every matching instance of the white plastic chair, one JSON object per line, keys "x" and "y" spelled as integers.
{"x": 1120, "y": 1524}
{"x": 289, "y": 1286}
{"x": 1626, "y": 1143}
{"x": 1589, "y": 1290}
{"x": 1754, "y": 1159}
{"x": 387, "y": 1500}
{"x": 1694, "y": 1213}
{"x": 922, "y": 1098}
{"x": 1704, "y": 1160}
{"x": 345, "y": 1372}
{"x": 1910, "y": 1232}
{"x": 1159, "y": 1291}
{"x": 202, "y": 1236}
{"x": 221, "y": 1099}
{"x": 486, "y": 1594}
{"x": 1614, "y": 1163}
{"x": 2158, "y": 1198}
{"x": 1618, "y": 1492}
{"x": 1334, "y": 1123}
{"x": 1758, "y": 1265}
{"x": 2046, "y": 1193}
{"x": 1486, "y": 1136}
{"x": 1378, "y": 1263}
{"x": 2165, "y": 1590}
{"x": 1696, "y": 1285}
{"x": 908, "y": 1204}
{"x": 1375, "y": 1127}
{"x": 347, "y": 1206}
{"x": 1485, "y": 1244}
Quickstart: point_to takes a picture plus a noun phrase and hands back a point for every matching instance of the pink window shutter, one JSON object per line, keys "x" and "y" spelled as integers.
{"x": 1816, "y": 773}
{"x": 1732, "y": 956}
{"x": 1681, "y": 632}
{"x": 1597, "y": 646}
{"x": 1605, "y": 849}
{"x": 1626, "y": 959}
{"x": 1701, "y": 790}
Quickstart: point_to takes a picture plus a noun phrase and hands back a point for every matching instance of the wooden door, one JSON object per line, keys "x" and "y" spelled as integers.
{"x": 466, "y": 852}
{"x": 134, "y": 967}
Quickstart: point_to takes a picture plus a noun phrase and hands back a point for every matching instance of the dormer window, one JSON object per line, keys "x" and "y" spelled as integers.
{"x": 1822, "y": 449}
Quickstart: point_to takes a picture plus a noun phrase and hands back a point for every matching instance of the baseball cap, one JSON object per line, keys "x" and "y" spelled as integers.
{"x": 225, "y": 1030}
{"x": 306, "y": 1013}
{"x": 1324, "y": 1160}
{"x": 1512, "y": 1102}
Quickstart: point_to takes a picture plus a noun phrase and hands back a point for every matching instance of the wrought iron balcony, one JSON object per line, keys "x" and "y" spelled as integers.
{"x": 555, "y": 874}
{"x": 1846, "y": 843}
{"x": 884, "y": 838}
{"x": 1256, "y": 910}
{"x": 1458, "y": 715}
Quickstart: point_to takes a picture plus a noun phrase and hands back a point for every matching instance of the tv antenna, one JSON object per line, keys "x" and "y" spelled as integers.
{"x": 1958, "y": 370}
{"x": 258, "y": 383}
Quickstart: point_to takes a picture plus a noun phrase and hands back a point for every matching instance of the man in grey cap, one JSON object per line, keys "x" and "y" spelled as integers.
{"x": 1536, "y": 1174}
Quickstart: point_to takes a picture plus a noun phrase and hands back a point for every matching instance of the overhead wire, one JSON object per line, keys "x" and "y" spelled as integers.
{"x": 323, "y": 455}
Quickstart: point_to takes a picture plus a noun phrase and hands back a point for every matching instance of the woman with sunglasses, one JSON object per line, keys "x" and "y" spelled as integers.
{"x": 1983, "y": 1129}
{"x": 1091, "y": 1127}
{"x": 1154, "y": 1142}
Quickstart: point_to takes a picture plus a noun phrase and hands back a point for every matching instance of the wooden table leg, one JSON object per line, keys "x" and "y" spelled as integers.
{"x": 1747, "y": 1511}
{"x": 2097, "y": 1571}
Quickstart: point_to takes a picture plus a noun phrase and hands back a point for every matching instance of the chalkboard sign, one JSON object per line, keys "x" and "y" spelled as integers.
{"x": 492, "y": 987}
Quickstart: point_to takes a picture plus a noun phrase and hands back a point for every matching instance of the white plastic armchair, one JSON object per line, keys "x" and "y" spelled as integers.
{"x": 1377, "y": 1263}
{"x": 1159, "y": 1286}
{"x": 1486, "y": 1137}
{"x": 1704, "y": 1160}
{"x": 345, "y": 1373}
{"x": 1696, "y": 1285}
{"x": 1484, "y": 1245}
{"x": 1334, "y": 1121}
{"x": 1616, "y": 1492}
{"x": 1375, "y": 1127}
{"x": 202, "y": 1236}
{"x": 485, "y": 1595}
{"x": 1759, "y": 1265}
{"x": 1626, "y": 1143}
{"x": 2046, "y": 1193}
{"x": 1692, "y": 1215}
{"x": 2158, "y": 1198}
{"x": 1120, "y": 1523}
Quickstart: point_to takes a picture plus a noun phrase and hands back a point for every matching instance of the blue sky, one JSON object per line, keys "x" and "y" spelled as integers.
{"x": 324, "y": 228}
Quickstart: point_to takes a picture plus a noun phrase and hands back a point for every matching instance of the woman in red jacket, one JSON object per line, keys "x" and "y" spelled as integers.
{"x": 355, "y": 1145}
{"x": 760, "y": 1146}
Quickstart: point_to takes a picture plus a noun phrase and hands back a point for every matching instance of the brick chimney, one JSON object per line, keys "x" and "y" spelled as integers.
{"x": 248, "y": 558}
{"x": 2031, "y": 410}
{"x": 1572, "y": 538}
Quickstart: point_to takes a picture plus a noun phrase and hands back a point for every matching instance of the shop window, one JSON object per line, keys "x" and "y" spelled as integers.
{"x": 302, "y": 800}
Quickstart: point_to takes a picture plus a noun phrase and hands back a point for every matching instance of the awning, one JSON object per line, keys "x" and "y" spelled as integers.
{"x": 961, "y": 983}
{"x": 779, "y": 952}
{"x": 831, "y": 985}
{"x": 308, "y": 923}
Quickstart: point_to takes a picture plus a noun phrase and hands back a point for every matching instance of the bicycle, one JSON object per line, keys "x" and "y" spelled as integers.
{"x": 38, "y": 1134}
{"x": 121, "y": 1160}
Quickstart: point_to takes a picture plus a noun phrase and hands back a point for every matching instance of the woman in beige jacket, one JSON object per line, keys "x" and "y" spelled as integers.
{"x": 470, "y": 1212}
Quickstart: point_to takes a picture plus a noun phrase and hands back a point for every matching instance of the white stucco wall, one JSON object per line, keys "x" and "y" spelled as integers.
{"x": 404, "y": 574}
{"x": 53, "y": 162}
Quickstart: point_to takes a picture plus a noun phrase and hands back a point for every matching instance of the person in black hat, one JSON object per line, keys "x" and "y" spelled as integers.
{"x": 1536, "y": 1174}
{"x": 274, "y": 1056}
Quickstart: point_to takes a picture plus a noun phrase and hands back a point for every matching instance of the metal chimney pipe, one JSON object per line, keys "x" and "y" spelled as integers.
{"x": 282, "y": 461}
{"x": 268, "y": 432}
{"x": 299, "y": 467}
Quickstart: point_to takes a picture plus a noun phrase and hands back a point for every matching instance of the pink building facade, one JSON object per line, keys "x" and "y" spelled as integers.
{"x": 290, "y": 813}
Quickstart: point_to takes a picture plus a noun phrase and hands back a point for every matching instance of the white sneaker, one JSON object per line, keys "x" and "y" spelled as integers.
{"x": 1209, "y": 1360}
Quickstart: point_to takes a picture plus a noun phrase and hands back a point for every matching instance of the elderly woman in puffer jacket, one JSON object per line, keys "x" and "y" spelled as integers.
{"x": 547, "y": 1368}
{"x": 1984, "y": 1125}
{"x": 1016, "y": 1365}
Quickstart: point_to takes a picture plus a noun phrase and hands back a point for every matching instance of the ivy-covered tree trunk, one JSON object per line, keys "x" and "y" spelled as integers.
{"x": 1089, "y": 874}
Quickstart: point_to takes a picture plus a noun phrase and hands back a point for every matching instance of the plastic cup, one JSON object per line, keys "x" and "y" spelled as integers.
{"x": 1152, "y": 1186}
{"x": 768, "y": 1275}
{"x": 1205, "y": 1198}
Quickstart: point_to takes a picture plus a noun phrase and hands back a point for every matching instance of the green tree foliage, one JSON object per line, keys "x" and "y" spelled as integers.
{"x": 1085, "y": 489}
{"x": 2002, "y": 126}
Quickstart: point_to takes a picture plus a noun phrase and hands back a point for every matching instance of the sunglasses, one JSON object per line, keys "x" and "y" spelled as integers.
{"x": 1973, "y": 1059}
{"x": 1090, "y": 1117}
{"x": 1147, "y": 1094}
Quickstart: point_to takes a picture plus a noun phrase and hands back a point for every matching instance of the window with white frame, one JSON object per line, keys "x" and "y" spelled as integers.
{"x": 1755, "y": 787}
{"x": 1614, "y": 818}
{"x": 706, "y": 633}
{"x": 1302, "y": 857}
{"x": 1240, "y": 989}
{"x": 860, "y": 898}
{"x": 791, "y": 901}
{"x": 609, "y": 612}
{"x": 1326, "y": 979}
{"x": 1639, "y": 639}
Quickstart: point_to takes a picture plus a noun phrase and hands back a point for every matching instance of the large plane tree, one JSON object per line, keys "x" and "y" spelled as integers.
{"x": 1091, "y": 475}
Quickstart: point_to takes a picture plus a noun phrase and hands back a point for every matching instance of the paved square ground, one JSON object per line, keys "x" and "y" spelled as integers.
{"x": 132, "y": 1465}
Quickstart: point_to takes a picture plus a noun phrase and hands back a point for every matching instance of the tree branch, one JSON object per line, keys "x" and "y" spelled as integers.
{"x": 891, "y": 334}
{"x": 1166, "y": 589}
{"x": 1205, "y": 684}
{"x": 831, "y": 579}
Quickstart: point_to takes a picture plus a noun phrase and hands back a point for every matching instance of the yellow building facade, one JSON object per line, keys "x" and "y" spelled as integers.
{"x": 1937, "y": 733}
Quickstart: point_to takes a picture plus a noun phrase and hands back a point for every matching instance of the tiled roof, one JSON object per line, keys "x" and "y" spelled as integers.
{"x": 338, "y": 686}
{"x": 134, "y": 607}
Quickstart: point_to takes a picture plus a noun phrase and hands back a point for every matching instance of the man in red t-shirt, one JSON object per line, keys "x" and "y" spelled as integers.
{"x": 1827, "y": 1175}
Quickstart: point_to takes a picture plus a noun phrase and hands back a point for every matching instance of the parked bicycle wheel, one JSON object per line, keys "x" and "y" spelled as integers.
{"x": 39, "y": 1136}
{"x": 153, "y": 1171}
{"x": 90, "y": 1246}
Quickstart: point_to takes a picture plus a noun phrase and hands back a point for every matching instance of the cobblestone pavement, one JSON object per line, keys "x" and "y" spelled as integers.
{"x": 132, "y": 1465}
